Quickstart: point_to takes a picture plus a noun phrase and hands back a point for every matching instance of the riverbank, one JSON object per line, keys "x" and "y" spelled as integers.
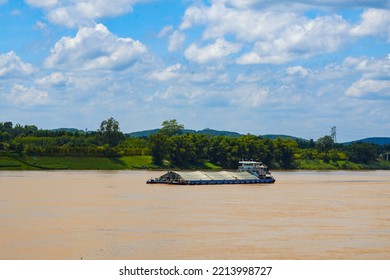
{"x": 16, "y": 162}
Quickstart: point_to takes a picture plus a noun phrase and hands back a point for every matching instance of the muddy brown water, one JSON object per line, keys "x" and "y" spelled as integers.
{"x": 115, "y": 215}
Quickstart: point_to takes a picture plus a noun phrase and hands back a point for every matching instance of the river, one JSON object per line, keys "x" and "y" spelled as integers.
{"x": 115, "y": 215}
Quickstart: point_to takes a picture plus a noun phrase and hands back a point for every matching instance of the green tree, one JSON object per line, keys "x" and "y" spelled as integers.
{"x": 110, "y": 133}
{"x": 324, "y": 144}
{"x": 362, "y": 152}
{"x": 172, "y": 127}
{"x": 285, "y": 149}
{"x": 159, "y": 147}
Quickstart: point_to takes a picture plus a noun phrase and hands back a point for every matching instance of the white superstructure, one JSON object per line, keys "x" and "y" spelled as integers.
{"x": 254, "y": 167}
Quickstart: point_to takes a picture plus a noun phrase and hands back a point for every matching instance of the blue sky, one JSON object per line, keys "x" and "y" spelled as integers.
{"x": 253, "y": 66}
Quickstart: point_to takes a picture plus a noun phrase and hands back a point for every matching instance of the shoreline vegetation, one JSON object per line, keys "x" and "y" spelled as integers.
{"x": 37, "y": 162}
{"x": 29, "y": 148}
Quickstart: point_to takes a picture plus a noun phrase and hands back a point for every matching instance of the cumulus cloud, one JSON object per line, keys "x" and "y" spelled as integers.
{"x": 40, "y": 25}
{"x": 56, "y": 79}
{"x": 374, "y": 76}
{"x": 28, "y": 96}
{"x": 176, "y": 40}
{"x": 168, "y": 73}
{"x": 373, "y": 22}
{"x": 370, "y": 68}
{"x": 272, "y": 36}
{"x": 178, "y": 96}
{"x": 297, "y": 70}
{"x": 308, "y": 3}
{"x": 366, "y": 87}
{"x": 42, "y": 3}
{"x": 220, "y": 49}
{"x": 302, "y": 38}
{"x": 165, "y": 31}
{"x": 95, "y": 48}
{"x": 245, "y": 24}
{"x": 79, "y": 13}
{"x": 249, "y": 96}
{"x": 12, "y": 66}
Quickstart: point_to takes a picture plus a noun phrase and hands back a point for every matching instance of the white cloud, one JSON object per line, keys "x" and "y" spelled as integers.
{"x": 373, "y": 22}
{"x": 272, "y": 36}
{"x": 168, "y": 73}
{"x": 220, "y": 49}
{"x": 247, "y": 25}
{"x": 366, "y": 87}
{"x": 308, "y": 3}
{"x": 165, "y": 31}
{"x": 95, "y": 48}
{"x": 12, "y": 66}
{"x": 251, "y": 78}
{"x": 176, "y": 41}
{"x": 28, "y": 96}
{"x": 370, "y": 68}
{"x": 300, "y": 38}
{"x": 56, "y": 79}
{"x": 190, "y": 77}
{"x": 249, "y": 96}
{"x": 40, "y": 25}
{"x": 298, "y": 70}
{"x": 176, "y": 38}
{"x": 42, "y": 3}
{"x": 178, "y": 96}
{"x": 73, "y": 13}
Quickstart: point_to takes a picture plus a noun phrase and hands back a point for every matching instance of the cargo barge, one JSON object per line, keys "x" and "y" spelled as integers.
{"x": 249, "y": 172}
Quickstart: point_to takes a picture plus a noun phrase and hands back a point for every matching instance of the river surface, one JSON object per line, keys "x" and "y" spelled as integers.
{"x": 115, "y": 215}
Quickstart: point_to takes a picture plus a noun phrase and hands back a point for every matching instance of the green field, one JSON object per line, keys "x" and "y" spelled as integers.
{"x": 8, "y": 163}
{"x": 75, "y": 163}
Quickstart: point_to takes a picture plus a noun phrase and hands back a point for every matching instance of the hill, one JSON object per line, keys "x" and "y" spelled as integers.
{"x": 68, "y": 129}
{"x": 143, "y": 133}
{"x": 282, "y": 136}
{"x": 210, "y": 132}
{"x": 373, "y": 140}
{"x": 213, "y": 132}
{"x": 206, "y": 131}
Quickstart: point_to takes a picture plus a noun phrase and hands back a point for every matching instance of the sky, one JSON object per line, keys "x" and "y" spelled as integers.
{"x": 296, "y": 67}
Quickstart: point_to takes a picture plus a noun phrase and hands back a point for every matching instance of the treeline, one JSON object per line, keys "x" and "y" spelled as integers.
{"x": 106, "y": 141}
{"x": 170, "y": 146}
{"x": 224, "y": 151}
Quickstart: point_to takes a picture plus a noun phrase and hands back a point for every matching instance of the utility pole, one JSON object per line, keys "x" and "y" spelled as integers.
{"x": 333, "y": 134}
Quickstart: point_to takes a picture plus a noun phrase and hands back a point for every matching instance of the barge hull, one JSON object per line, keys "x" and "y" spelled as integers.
{"x": 212, "y": 182}
{"x": 212, "y": 178}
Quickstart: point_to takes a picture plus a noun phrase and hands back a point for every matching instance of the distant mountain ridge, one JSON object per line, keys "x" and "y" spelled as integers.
{"x": 68, "y": 129}
{"x": 206, "y": 131}
{"x": 142, "y": 133}
{"x": 213, "y": 132}
{"x": 373, "y": 140}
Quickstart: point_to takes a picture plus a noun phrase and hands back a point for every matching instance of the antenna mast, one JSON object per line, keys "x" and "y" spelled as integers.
{"x": 333, "y": 134}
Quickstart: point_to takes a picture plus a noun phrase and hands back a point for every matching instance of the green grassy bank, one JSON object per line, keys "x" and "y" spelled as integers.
{"x": 75, "y": 163}
{"x": 340, "y": 165}
{"x": 16, "y": 162}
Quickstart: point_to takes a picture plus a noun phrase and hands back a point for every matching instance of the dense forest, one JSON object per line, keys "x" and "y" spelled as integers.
{"x": 171, "y": 146}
